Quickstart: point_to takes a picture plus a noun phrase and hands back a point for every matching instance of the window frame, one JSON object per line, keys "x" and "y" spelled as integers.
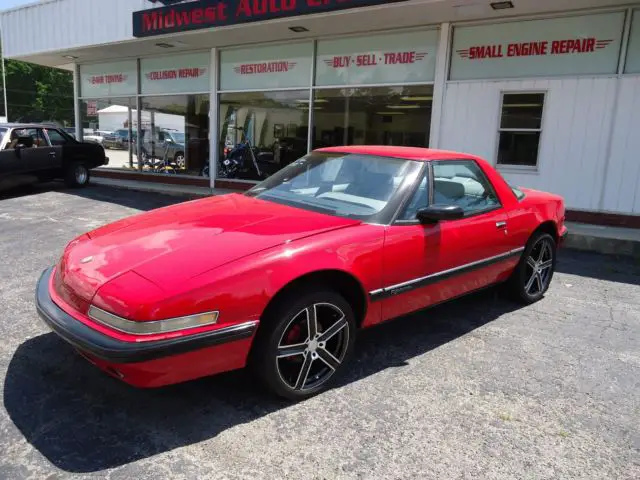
{"x": 480, "y": 211}
{"x": 45, "y": 131}
{"x": 428, "y": 171}
{"x": 39, "y": 130}
{"x": 512, "y": 167}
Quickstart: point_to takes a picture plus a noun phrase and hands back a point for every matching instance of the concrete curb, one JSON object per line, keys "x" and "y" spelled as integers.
{"x": 606, "y": 240}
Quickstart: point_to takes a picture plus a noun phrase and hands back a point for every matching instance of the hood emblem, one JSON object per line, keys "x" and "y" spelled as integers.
{"x": 86, "y": 259}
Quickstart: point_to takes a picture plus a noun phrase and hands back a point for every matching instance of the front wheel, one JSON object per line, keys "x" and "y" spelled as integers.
{"x": 76, "y": 175}
{"x": 532, "y": 277}
{"x": 303, "y": 344}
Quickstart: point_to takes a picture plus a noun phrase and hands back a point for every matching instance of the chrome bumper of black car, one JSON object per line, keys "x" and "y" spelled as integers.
{"x": 91, "y": 341}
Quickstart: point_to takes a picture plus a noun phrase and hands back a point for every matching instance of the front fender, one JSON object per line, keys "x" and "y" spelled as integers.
{"x": 241, "y": 290}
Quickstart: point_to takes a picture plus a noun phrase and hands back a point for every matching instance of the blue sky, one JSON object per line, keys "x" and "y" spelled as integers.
{"x": 4, "y": 4}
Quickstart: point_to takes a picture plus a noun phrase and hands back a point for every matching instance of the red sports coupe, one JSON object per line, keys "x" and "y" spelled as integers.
{"x": 282, "y": 277}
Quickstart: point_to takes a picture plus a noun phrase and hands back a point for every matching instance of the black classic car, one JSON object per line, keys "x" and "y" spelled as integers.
{"x": 43, "y": 153}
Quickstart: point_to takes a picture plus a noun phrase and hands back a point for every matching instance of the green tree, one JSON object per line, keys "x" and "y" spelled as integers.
{"x": 38, "y": 94}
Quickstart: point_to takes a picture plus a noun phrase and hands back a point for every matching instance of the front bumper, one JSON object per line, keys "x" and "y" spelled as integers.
{"x": 100, "y": 346}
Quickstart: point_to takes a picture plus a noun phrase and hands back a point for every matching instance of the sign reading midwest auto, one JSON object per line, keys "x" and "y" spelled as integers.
{"x": 179, "y": 16}
{"x": 395, "y": 58}
{"x": 584, "y": 45}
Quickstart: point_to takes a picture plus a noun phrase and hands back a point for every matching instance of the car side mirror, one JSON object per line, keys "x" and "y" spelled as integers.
{"x": 436, "y": 213}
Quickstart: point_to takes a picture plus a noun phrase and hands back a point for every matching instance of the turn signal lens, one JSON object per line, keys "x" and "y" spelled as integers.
{"x": 154, "y": 327}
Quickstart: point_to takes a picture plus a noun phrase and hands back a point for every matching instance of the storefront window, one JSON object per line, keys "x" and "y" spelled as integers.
{"x": 581, "y": 45}
{"x": 374, "y": 116}
{"x": 633, "y": 52}
{"x": 395, "y": 58}
{"x": 174, "y": 134}
{"x": 113, "y": 123}
{"x": 261, "y": 132}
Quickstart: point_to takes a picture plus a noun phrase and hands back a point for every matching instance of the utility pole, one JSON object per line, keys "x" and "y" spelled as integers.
{"x": 4, "y": 81}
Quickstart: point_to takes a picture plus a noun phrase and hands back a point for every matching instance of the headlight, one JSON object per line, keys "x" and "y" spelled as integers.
{"x": 154, "y": 327}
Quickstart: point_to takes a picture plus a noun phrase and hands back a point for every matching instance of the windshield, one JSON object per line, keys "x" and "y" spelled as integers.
{"x": 2, "y": 132}
{"x": 177, "y": 137}
{"x": 347, "y": 185}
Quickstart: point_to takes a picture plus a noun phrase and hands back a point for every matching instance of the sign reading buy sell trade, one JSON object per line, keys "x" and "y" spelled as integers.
{"x": 180, "y": 16}
{"x": 588, "y": 44}
{"x": 397, "y": 58}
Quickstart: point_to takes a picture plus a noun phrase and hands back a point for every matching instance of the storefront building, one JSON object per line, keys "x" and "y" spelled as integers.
{"x": 226, "y": 92}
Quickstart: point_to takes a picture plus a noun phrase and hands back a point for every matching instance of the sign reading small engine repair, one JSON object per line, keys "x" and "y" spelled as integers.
{"x": 180, "y": 17}
{"x": 588, "y": 44}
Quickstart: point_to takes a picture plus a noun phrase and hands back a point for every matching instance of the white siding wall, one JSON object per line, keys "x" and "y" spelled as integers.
{"x": 64, "y": 24}
{"x": 576, "y": 127}
{"x": 622, "y": 187}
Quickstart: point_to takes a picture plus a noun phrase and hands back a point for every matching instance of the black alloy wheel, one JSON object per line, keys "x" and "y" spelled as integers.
{"x": 533, "y": 275}
{"x": 303, "y": 346}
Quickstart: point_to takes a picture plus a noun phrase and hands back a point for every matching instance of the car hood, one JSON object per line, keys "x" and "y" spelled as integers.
{"x": 171, "y": 245}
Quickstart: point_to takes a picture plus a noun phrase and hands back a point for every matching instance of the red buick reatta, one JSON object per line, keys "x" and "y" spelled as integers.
{"x": 282, "y": 277}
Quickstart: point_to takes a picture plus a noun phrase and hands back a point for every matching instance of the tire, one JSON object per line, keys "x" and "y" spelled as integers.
{"x": 285, "y": 331}
{"x": 180, "y": 160}
{"x": 76, "y": 175}
{"x": 526, "y": 284}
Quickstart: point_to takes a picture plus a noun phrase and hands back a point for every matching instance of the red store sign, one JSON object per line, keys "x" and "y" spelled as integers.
{"x": 174, "y": 74}
{"x": 372, "y": 59}
{"x": 277, "y": 66}
{"x": 530, "y": 49}
{"x": 108, "y": 79}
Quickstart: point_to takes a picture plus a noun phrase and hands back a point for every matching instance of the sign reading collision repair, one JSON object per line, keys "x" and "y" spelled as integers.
{"x": 585, "y": 45}
{"x": 181, "y": 17}
{"x": 188, "y": 72}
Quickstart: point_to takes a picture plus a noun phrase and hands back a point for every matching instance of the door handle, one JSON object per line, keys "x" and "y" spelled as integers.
{"x": 501, "y": 225}
{"x": 52, "y": 154}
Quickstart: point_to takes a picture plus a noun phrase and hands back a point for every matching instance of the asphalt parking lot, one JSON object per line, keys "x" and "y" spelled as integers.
{"x": 480, "y": 388}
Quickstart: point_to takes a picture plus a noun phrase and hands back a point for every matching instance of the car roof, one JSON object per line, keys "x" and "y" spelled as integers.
{"x": 408, "y": 153}
{"x": 28, "y": 125}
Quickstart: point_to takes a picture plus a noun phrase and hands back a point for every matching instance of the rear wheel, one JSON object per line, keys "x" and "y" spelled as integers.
{"x": 303, "y": 344}
{"x": 532, "y": 276}
{"x": 179, "y": 159}
{"x": 76, "y": 175}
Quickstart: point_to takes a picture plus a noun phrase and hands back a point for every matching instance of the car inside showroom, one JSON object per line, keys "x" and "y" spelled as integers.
{"x": 224, "y": 93}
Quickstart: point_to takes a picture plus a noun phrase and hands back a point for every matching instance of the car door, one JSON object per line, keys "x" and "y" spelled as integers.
{"x": 425, "y": 264}
{"x": 9, "y": 162}
{"x": 57, "y": 141}
{"x": 35, "y": 157}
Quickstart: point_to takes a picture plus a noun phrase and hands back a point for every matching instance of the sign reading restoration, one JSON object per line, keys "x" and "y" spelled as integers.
{"x": 273, "y": 66}
{"x": 583, "y": 45}
{"x": 180, "y": 17}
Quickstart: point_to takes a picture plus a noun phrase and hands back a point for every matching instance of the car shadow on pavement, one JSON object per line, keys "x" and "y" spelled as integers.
{"x": 143, "y": 201}
{"x": 139, "y": 200}
{"x": 611, "y": 268}
{"x": 84, "y": 421}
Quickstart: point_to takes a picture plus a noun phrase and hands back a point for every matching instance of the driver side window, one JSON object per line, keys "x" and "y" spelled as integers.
{"x": 463, "y": 183}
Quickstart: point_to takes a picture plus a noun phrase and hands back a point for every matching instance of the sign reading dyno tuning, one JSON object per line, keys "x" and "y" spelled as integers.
{"x": 179, "y": 16}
